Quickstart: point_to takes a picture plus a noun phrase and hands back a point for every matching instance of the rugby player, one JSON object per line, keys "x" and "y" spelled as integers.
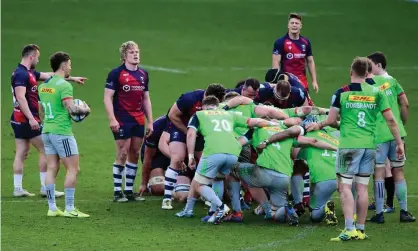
{"x": 56, "y": 98}
{"x": 292, "y": 51}
{"x": 127, "y": 100}
{"x": 220, "y": 152}
{"x": 282, "y": 95}
{"x": 358, "y": 105}
{"x": 386, "y": 145}
{"x": 25, "y": 119}
{"x": 179, "y": 115}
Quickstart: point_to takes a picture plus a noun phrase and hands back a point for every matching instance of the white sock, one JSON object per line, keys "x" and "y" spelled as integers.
{"x": 18, "y": 181}
{"x": 42, "y": 176}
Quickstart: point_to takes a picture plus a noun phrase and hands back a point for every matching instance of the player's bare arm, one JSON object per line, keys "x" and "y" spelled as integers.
{"x": 163, "y": 144}
{"x": 191, "y": 143}
{"x": 41, "y": 113}
{"x": 332, "y": 120}
{"x": 146, "y": 167}
{"x": 271, "y": 112}
{"x": 404, "y": 107}
{"x": 148, "y": 114}
{"x": 307, "y": 142}
{"x": 394, "y": 129}
{"x": 256, "y": 122}
{"x": 20, "y": 93}
{"x": 108, "y": 101}
{"x": 46, "y": 75}
{"x": 175, "y": 117}
{"x": 276, "y": 61}
{"x": 75, "y": 109}
{"x": 312, "y": 70}
{"x": 240, "y": 100}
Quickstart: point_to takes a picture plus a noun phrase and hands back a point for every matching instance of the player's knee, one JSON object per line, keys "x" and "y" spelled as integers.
{"x": 122, "y": 154}
{"x": 180, "y": 196}
{"x": 176, "y": 162}
{"x": 316, "y": 215}
{"x": 379, "y": 171}
{"x": 133, "y": 155}
{"x": 398, "y": 174}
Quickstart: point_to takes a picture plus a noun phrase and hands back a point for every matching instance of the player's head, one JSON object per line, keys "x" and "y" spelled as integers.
{"x": 359, "y": 67}
{"x": 378, "y": 62}
{"x": 216, "y": 90}
{"x": 231, "y": 95}
{"x": 369, "y": 68}
{"x": 129, "y": 53}
{"x": 61, "y": 62}
{"x": 210, "y": 103}
{"x": 281, "y": 91}
{"x": 250, "y": 88}
{"x": 295, "y": 23}
{"x": 31, "y": 53}
{"x": 272, "y": 76}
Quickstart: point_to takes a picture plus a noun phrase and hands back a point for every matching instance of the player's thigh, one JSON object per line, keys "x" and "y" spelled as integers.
{"x": 253, "y": 175}
{"x": 382, "y": 153}
{"x": 177, "y": 152}
{"x": 367, "y": 162}
{"x": 135, "y": 145}
{"x": 209, "y": 166}
{"x": 49, "y": 147}
{"x": 137, "y": 136}
{"x": 278, "y": 187}
{"x": 393, "y": 158}
{"x": 321, "y": 192}
{"x": 348, "y": 161}
{"x": 38, "y": 143}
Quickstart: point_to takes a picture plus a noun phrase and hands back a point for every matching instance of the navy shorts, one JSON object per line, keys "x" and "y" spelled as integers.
{"x": 127, "y": 131}
{"x": 179, "y": 136}
{"x": 24, "y": 131}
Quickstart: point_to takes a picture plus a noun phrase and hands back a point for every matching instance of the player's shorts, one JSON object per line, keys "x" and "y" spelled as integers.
{"x": 187, "y": 173}
{"x": 61, "y": 145}
{"x": 245, "y": 155}
{"x": 321, "y": 192}
{"x": 127, "y": 131}
{"x": 276, "y": 183}
{"x": 211, "y": 165}
{"x": 178, "y": 136}
{"x": 24, "y": 131}
{"x": 355, "y": 161}
{"x": 385, "y": 151}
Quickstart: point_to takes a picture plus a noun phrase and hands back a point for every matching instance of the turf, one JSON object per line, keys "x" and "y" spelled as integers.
{"x": 186, "y": 45}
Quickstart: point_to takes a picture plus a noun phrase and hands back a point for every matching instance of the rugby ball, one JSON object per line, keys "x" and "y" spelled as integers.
{"x": 79, "y": 117}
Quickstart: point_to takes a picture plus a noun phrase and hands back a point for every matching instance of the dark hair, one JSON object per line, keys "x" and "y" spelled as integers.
{"x": 57, "y": 59}
{"x": 210, "y": 100}
{"x": 378, "y": 58}
{"x": 359, "y": 66}
{"x": 231, "y": 95}
{"x": 28, "y": 49}
{"x": 274, "y": 75}
{"x": 295, "y": 15}
{"x": 216, "y": 90}
{"x": 283, "y": 87}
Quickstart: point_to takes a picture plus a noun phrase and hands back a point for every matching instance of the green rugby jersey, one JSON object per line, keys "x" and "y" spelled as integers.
{"x": 392, "y": 90}
{"x": 217, "y": 128}
{"x": 321, "y": 162}
{"x": 52, "y": 92}
{"x": 359, "y": 106}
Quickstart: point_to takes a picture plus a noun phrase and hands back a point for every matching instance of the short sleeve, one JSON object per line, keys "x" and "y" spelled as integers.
{"x": 194, "y": 122}
{"x": 37, "y": 75}
{"x": 309, "y": 49}
{"x": 185, "y": 101}
{"x": 20, "y": 78}
{"x": 383, "y": 102}
{"x": 112, "y": 81}
{"x": 335, "y": 101}
{"x": 240, "y": 121}
{"x": 278, "y": 47}
{"x": 66, "y": 91}
{"x": 399, "y": 89}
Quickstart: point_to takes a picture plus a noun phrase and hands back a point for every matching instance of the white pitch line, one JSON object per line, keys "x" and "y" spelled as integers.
{"x": 305, "y": 233}
{"x": 164, "y": 69}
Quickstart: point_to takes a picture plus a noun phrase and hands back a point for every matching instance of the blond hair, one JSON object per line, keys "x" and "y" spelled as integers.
{"x": 126, "y": 46}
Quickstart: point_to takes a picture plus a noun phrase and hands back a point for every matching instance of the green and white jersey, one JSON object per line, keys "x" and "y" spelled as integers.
{"x": 242, "y": 110}
{"x": 321, "y": 162}
{"x": 275, "y": 156}
{"x": 52, "y": 92}
{"x": 392, "y": 90}
{"x": 359, "y": 106}
{"x": 217, "y": 128}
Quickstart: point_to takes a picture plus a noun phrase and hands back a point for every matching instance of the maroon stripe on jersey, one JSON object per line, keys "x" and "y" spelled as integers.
{"x": 304, "y": 41}
{"x": 386, "y": 110}
{"x": 346, "y": 88}
{"x": 66, "y": 98}
{"x": 401, "y": 94}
